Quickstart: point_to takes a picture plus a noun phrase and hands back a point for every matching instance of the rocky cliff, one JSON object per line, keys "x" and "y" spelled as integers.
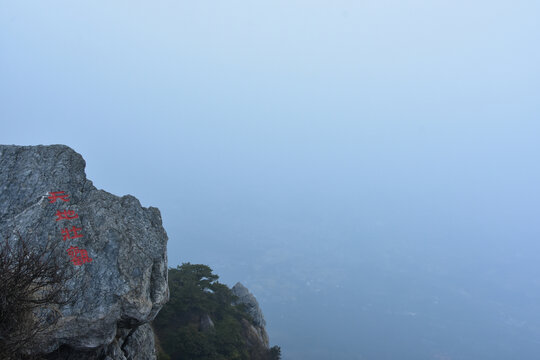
{"x": 118, "y": 247}
{"x": 204, "y": 319}
{"x": 255, "y": 333}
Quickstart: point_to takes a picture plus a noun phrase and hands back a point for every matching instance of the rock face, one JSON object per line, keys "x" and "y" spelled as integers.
{"x": 206, "y": 323}
{"x": 255, "y": 334}
{"x": 125, "y": 283}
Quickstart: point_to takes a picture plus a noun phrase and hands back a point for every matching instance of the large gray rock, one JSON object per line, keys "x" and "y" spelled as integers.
{"x": 256, "y": 332}
{"x": 247, "y": 298}
{"x": 140, "y": 344}
{"x": 125, "y": 284}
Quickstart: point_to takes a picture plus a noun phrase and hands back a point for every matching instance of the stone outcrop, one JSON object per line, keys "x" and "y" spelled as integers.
{"x": 125, "y": 283}
{"x": 206, "y": 323}
{"x": 255, "y": 333}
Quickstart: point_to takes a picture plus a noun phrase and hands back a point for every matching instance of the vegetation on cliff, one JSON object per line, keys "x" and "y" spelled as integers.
{"x": 200, "y": 322}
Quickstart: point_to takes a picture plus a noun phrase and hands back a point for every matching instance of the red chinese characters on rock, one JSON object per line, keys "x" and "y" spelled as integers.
{"x": 66, "y": 215}
{"x": 78, "y": 256}
{"x": 55, "y": 195}
{"x": 71, "y": 233}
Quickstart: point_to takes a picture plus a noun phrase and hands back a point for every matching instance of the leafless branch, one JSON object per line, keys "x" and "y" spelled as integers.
{"x": 33, "y": 286}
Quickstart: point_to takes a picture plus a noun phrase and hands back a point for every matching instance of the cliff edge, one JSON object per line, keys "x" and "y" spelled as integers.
{"x": 256, "y": 333}
{"x": 118, "y": 247}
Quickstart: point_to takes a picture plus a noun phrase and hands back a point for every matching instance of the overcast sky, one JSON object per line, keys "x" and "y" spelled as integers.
{"x": 296, "y": 139}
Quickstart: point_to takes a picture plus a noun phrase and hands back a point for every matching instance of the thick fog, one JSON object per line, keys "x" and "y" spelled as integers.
{"x": 368, "y": 169}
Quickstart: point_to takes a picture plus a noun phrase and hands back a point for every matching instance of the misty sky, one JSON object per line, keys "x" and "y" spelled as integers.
{"x": 368, "y": 169}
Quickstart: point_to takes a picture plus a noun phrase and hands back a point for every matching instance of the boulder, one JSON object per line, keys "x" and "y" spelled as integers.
{"x": 123, "y": 274}
{"x": 256, "y": 332}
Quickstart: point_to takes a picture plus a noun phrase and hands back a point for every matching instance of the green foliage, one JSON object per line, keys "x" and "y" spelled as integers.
{"x": 161, "y": 355}
{"x": 275, "y": 353}
{"x": 195, "y": 293}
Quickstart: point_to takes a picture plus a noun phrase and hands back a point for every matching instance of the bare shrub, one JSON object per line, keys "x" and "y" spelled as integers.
{"x": 33, "y": 286}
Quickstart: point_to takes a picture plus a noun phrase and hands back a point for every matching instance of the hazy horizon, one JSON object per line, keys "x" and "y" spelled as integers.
{"x": 369, "y": 170}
